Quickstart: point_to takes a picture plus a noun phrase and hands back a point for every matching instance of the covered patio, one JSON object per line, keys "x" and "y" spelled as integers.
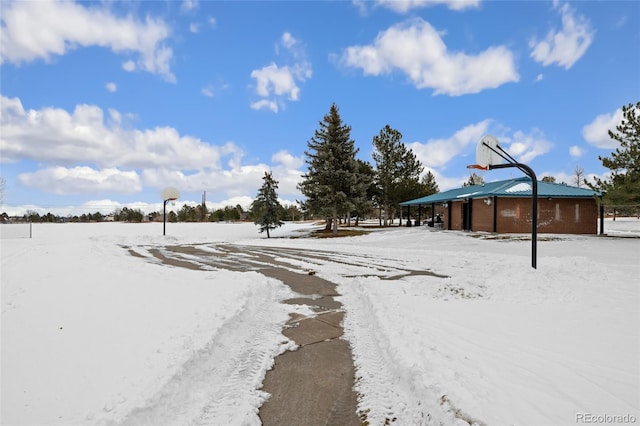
{"x": 505, "y": 207}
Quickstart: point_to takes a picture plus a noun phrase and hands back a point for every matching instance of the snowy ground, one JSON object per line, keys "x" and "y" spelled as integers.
{"x": 92, "y": 335}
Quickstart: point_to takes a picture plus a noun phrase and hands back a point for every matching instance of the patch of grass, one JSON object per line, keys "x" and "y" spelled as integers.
{"x": 322, "y": 233}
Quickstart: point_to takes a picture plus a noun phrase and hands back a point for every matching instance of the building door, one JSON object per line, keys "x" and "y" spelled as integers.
{"x": 466, "y": 216}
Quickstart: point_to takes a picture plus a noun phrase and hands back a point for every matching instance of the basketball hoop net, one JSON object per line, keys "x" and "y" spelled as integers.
{"x": 479, "y": 171}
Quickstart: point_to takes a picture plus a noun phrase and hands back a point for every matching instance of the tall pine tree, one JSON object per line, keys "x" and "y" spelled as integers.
{"x": 474, "y": 179}
{"x": 266, "y": 208}
{"x": 364, "y": 190}
{"x": 397, "y": 170}
{"x": 332, "y": 174}
{"x": 622, "y": 188}
{"x": 429, "y": 184}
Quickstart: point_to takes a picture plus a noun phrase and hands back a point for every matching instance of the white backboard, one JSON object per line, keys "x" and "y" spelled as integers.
{"x": 486, "y": 154}
{"x": 170, "y": 193}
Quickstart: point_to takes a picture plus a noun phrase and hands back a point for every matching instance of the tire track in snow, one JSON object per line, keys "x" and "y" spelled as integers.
{"x": 223, "y": 378}
{"x": 385, "y": 394}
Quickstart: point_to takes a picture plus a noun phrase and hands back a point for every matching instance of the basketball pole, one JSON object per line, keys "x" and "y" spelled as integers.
{"x": 511, "y": 162}
{"x": 489, "y": 144}
{"x": 164, "y": 218}
{"x": 534, "y": 205}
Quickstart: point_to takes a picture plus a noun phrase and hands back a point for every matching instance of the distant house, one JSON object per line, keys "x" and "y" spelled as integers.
{"x": 505, "y": 207}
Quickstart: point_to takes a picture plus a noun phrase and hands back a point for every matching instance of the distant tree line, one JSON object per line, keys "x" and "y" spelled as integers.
{"x": 186, "y": 213}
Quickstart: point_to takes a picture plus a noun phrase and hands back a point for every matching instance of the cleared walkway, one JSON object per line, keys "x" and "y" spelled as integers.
{"x": 312, "y": 385}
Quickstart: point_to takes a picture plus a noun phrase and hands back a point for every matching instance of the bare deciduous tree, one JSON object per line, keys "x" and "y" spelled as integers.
{"x": 578, "y": 176}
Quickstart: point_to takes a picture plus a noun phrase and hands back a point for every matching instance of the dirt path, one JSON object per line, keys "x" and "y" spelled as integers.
{"x": 312, "y": 385}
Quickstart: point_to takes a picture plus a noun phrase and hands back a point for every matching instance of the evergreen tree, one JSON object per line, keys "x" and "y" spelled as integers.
{"x": 365, "y": 189}
{"x": 266, "y": 208}
{"x": 329, "y": 182}
{"x": 549, "y": 179}
{"x": 474, "y": 179}
{"x": 187, "y": 214}
{"x": 397, "y": 170}
{"x": 622, "y": 187}
{"x": 429, "y": 185}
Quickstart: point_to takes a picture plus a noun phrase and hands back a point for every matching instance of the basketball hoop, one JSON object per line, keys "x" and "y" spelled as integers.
{"x": 479, "y": 171}
{"x": 490, "y": 156}
{"x": 168, "y": 194}
{"x": 478, "y": 166}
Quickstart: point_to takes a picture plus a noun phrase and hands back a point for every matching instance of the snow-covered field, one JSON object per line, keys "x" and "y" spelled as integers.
{"x": 92, "y": 335}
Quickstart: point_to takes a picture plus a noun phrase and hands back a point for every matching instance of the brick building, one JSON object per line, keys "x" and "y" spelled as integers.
{"x": 505, "y": 207}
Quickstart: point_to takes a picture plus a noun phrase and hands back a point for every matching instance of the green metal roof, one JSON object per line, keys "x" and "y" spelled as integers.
{"x": 519, "y": 187}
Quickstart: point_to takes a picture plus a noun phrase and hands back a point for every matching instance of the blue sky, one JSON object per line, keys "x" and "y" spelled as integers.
{"x": 104, "y": 104}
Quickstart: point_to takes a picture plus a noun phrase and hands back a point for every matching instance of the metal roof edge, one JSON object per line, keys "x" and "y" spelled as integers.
{"x": 499, "y": 188}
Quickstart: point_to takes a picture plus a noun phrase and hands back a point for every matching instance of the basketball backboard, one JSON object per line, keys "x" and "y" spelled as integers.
{"x": 487, "y": 152}
{"x": 170, "y": 193}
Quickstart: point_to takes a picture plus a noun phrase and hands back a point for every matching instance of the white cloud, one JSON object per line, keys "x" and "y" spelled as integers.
{"x": 621, "y": 22}
{"x": 55, "y": 136}
{"x": 436, "y": 153}
{"x": 287, "y": 160}
{"x": 404, "y": 6}
{"x": 265, "y": 104}
{"x": 234, "y": 182}
{"x": 189, "y": 5}
{"x": 539, "y": 77}
{"x": 445, "y": 182}
{"x": 596, "y": 133}
{"x": 565, "y": 46}
{"x": 275, "y": 84}
{"x": 212, "y": 21}
{"x": 415, "y": 48}
{"x": 79, "y": 180}
{"x": 111, "y": 87}
{"x": 568, "y": 178}
{"x": 40, "y": 30}
{"x": 287, "y": 40}
{"x": 208, "y": 91}
{"x": 129, "y": 66}
{"x": 576, "y": 152}
{"x": 279, "y": 81}
{"x": 194, "y": 27}
{"x": 90, "y": 150}
{"x": 524, "y": 147}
